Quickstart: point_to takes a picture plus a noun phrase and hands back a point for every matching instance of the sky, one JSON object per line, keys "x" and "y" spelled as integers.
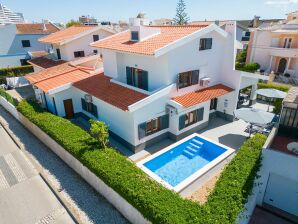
{"x": 115, "y": 10}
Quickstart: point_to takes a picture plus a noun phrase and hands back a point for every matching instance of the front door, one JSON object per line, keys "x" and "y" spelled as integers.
{"x": 68, "y": 107}
{"x": 282, "y": 65}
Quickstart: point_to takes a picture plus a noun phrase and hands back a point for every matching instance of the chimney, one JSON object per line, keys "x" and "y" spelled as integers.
{"x": 256, "y": 21}
{"x": 44, "y": 27}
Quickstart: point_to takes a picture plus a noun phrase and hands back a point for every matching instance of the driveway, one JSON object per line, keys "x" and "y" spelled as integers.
{"x": 24, "y": 196}
{"x": 81, "y": 199}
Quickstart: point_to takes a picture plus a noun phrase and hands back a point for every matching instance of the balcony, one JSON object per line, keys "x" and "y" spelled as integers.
{"x": 284, "y": 52}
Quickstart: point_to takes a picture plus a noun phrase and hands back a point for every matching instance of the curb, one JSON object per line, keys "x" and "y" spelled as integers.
{"x": 39, "y": 170}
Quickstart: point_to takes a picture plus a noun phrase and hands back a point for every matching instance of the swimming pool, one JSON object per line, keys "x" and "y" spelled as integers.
{"x": 185, "y": 161}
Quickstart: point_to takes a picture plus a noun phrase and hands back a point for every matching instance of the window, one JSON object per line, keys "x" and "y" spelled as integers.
{"x": 26, "y": 43}
{"x": 154, "y": 125}
{"x": 137, "y": 77}
{"x": 95, "y": 38}
{"x": 191, "y": 118}
{"x": 205, "y": 44}
{"x": 79, "y": 54}
{"x": 95, "y": 51}
{"x": 186, "y": 79}
{"x": 58, "y": 53}
{"x": 213, "y": 104}
{"x": 287, "y": 42}
{"x": 134, "y": 35}
{"x": 89, "y": 107}
{"x": 24, "y": 62}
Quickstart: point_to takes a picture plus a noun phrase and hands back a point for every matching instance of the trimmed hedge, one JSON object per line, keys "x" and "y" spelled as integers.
{"x": 156, "y": 203}
{"x": 15, "y": 71}
{"x": 251, "y": 67}
{"x": 8, "y": 97}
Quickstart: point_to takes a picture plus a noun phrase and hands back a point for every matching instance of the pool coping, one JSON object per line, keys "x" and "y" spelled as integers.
{"x": 192, "y": 178}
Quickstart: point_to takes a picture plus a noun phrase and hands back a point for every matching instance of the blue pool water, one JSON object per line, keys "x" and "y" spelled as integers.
{"x": 182, "y": 161}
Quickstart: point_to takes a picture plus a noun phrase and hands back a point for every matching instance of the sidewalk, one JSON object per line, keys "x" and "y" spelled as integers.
{"x": 87, "y": 205}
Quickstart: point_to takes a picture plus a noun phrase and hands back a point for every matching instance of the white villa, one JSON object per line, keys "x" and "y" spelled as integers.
{"x": 158, "y": 82}
{"x": 275, "y": 47}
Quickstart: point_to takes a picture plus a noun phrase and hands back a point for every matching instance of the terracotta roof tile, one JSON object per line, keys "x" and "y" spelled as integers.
{"x": 44, "y": 62}
{"x": 193, "y": 98}
{"x": 168, "y": 34}
{"x": 65, "y": 34}
{"x": 36, "y": 28}
{"x": 101, "y": 87}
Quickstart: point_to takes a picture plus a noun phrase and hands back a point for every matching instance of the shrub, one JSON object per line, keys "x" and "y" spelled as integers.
{"x": 8, "y": 97}
{"x": 100, "y": 131}
{"x": 15, "y": 71}
{"x": 156, "y": 203}
{"x": 241, "y": 56}
{"x": 283, "y": 88}
{"x": 250, "y": 67}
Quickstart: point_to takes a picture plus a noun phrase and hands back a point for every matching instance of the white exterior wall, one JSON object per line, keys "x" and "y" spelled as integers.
{"x": 80, "y": 44}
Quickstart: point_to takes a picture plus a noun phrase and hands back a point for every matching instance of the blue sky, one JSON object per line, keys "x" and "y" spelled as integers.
{"x": 113, "y": 10}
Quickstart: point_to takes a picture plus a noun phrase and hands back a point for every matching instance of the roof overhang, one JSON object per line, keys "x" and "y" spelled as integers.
{"x": 59, "y": 89}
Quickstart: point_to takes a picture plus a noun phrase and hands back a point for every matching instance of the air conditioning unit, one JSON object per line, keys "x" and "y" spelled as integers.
{"x": 88, "y": 98}
{"x": 204, "y": 82}
{"x": 171, "y": 110}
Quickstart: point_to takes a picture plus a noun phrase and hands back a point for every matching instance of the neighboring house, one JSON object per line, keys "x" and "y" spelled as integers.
{"x": 8, "y": 17}
{"x": 242, "y": 33}
{"x": 74, "y": 42}
{"x": 275, "y": 47}
{"x": 278, "y": 182}
{"x": 20, "y": 41}
{"x": 52, "y": 79}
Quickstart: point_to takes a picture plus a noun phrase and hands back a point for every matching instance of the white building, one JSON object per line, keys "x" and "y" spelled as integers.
{"x": 74, "y": 42}
{"x": 158, "y": 82}
{"x": 275, "y": 47}
{"x": 20, "y": 41}
{"x": 8, "y": 17}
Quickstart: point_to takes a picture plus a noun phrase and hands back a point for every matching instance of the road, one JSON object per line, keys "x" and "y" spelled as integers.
{"x": 24, "y": 196}
{"x": 86, "y": 205}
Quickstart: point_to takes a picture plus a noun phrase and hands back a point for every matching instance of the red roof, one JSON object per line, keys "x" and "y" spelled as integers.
{"x": 194, "y": 98}
{"x": 101, "y": 87}
{"x": 36, "y": 28}
{"x": 57, "y": 76}
{"x": 44, "y": 62}
{"x": 168, "y": 34}
{"x": 63, "y": 35}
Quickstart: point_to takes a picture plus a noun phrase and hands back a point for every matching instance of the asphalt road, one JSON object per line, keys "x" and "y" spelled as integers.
{"x": 85, "y": 204}
{"x": 24, "y": 196}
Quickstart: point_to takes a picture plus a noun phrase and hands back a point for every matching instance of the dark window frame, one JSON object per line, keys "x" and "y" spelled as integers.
{"x": 185, "y": 79}
{"x": 135, "y": 36}
{"x": 205, "y": 44}
{"x": 58, "y": 53}
{"x": 79, "y": 54}
{"x": 26, "y": 43}
{"x": 137, "y": 77}
{"x": 213, "y": 104}
{"x": 95, "y": 37}
{"x": 89, "y": 107}
{"x": 191, "y": 118}
{"x": 153, "y": 126}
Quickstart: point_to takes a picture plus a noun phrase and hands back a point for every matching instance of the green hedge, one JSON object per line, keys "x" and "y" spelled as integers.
{"x": 8, "y": 97}
{"x": 251, "y": 67}
{"x": 284, "y": 88}
{"x": 15, "y": 71}
{"x": 156, "y": 203}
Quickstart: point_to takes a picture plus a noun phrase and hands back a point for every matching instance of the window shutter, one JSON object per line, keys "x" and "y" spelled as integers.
{"x": 200, "y": 114}
{"x": 142, "y": 130}
{"x": 195, "y": 77}
{"x": 164, "y": 121}
{"x": 181, "y": 122}
{"x": 209, "y": 43}
{"x": 145, "y": 80}
{"x": 94, "y": 111}
{"x": 84, "y": 105}
{"x": 128, "y": 76}
{"x": 178, "y": 81}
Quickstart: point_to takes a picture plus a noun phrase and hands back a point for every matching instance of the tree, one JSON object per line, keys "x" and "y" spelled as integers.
{"x": 181, "y": 17}
{"x": 100, "y": 131}
{"x": 72, "y": 23}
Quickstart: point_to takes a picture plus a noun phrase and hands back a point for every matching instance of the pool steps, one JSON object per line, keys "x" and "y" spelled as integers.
{"x": 192, "y": 149}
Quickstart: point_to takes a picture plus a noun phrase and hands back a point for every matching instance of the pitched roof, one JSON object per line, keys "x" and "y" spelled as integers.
{"x": 57, "y": 76}
{"x": 101, "y": 87}
{"x": 36, "y": 28}
{"x": 65, "y": 34}
{"x": 44, "y": 62}
{"x": 193, "y": 98}
{"x": 168, "y": 34}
